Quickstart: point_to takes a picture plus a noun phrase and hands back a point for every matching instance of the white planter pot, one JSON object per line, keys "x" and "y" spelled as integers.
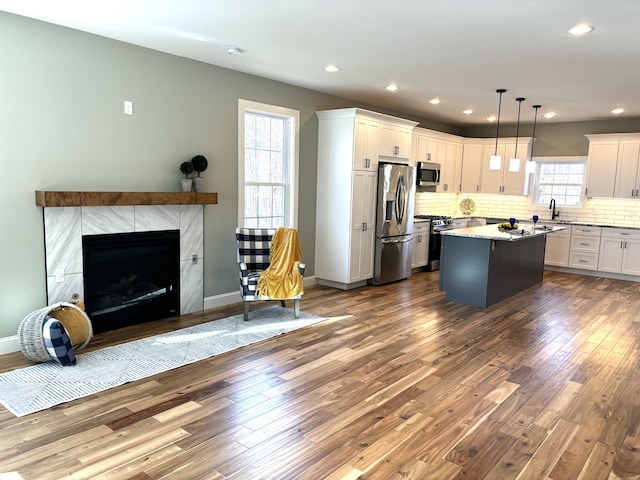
{"x": 198, "y": 184}
{"x": 186, "y": 183}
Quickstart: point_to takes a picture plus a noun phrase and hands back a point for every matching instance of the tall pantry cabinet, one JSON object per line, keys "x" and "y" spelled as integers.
{"x": 348, "y": 154}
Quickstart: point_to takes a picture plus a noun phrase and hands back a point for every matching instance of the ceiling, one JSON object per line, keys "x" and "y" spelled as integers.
{"x": 459, "y": 51}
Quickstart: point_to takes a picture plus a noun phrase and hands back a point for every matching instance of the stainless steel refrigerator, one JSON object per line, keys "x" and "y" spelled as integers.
{"x": 394, "y": 222}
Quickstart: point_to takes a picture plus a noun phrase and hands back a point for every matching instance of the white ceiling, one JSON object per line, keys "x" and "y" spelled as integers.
{"x": 460, "y": 51}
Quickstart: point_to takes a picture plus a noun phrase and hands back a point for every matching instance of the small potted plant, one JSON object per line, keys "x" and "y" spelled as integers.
{"x": 187, "y": 169}
{"x": 200, "y": 164}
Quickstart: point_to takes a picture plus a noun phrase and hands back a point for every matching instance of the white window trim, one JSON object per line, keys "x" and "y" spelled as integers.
{"x": 534, "y": 181}
{"x": 294, "y": 137}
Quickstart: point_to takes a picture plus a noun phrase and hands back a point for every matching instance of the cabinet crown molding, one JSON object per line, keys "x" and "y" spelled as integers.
{"x": 594, "y": 137}
{"x": 368, "y": 114}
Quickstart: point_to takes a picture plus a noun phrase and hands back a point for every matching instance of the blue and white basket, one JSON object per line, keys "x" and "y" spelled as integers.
{"x": 30, "y": 332}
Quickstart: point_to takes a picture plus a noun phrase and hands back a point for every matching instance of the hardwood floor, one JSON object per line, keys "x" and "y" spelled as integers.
{"x": 397, "y": 384}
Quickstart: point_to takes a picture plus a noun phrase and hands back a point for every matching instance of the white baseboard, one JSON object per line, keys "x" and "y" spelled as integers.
{"x": 222, "y": 300}
{"x": 11, "y": 344}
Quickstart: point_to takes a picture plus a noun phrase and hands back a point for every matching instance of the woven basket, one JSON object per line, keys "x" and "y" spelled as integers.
{"x": 30, "y": 332}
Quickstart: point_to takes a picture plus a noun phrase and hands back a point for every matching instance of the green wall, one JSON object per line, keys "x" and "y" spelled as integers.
{"x": 62, "y": 127}
{"x": 557, "y": 138}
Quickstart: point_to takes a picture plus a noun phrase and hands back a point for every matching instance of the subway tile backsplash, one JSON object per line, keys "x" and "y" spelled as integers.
{"x": 604, "y": 211}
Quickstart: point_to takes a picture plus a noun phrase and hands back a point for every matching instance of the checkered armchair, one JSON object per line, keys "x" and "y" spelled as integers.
{"x": 254, "y": 245}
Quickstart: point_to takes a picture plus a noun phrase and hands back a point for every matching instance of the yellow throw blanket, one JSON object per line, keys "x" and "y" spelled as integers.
{"x": 282, "y": 278}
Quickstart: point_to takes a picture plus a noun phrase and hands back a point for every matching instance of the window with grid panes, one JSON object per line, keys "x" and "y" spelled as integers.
{"x": 268, "y": 166}
{"x": 562, "y": 181}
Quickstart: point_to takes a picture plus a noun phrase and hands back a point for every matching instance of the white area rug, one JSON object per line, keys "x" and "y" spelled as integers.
{"x": 44, "y": 385}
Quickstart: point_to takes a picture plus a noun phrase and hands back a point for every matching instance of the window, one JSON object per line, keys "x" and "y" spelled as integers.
{"x": 560, "y": 180}
{"x": 268, "y": 165}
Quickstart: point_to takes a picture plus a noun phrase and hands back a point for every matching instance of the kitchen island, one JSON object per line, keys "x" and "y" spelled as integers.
{"x": 482, "y": 265}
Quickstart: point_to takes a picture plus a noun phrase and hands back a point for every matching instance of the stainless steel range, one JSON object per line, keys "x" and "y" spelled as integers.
{"x": 439, "y": 223}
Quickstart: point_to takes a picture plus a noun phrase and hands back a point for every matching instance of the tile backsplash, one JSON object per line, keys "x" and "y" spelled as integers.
{"x": 604, "y": 211}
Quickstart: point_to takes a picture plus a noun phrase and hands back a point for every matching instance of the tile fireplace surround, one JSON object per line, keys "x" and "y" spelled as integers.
{"x": 70, "y": 215}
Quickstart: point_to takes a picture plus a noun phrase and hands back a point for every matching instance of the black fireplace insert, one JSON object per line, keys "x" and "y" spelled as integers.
{"x": 131, "y": 278}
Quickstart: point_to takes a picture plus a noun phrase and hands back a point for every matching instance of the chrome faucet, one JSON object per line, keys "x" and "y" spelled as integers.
{"x": 552, "y": 206}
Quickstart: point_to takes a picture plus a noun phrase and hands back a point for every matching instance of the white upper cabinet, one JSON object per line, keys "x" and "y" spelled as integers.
{"x": 510, "y": 177}
{"x": 450, "y": 159}
{"x": 424, "y": 148}
{"x": 441, "y": 148}
{"x": 471, "y": 167}
{"x": 395, "y": 141}
{"x": 627, "y": 170}
{"x": 613, "y": 164}
{"x": 365, "y": 149}
{"x": 602, "y": 161}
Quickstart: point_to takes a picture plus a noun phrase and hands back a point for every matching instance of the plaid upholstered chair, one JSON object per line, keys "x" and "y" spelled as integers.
{"x": 254, "y": 245}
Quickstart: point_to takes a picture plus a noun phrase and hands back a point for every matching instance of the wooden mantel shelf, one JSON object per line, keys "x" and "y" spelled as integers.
{"x": 46, "y": 198}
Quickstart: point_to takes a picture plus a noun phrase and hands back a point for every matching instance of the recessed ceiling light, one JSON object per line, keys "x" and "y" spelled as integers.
{"x": 331, "y": 68}
{"x": 549, "y": 115}
{"x": 392, "y": 87}
{"x": 468, "y": 111}
{"x": 491, "y": 119}
{"x": 581, "y": 29}
{"x": 617, "y": 111}
{"x": 232, "y": 50}
{"x": 434, "y": 101}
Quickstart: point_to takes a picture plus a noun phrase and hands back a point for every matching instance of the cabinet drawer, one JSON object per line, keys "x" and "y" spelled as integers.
{"x": 581, "y": 243}
{"x": 585, "y": 231}
{"x": 585, "y": 261}
{"x": 621, "y": 233}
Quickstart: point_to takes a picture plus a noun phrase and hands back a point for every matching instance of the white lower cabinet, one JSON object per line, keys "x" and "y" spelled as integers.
{"x": 620, "y": 251}
{"x": 557, "y": 250}
{"x": 585, "y": 247}
{"x": 420, "y": 245}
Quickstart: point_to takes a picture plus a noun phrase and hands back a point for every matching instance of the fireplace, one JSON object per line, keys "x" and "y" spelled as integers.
{"x": 131, "y": 278}
{"x": 67, "y": 220}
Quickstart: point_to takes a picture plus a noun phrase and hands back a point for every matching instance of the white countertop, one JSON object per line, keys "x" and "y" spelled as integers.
{"x": 492, "y": 232}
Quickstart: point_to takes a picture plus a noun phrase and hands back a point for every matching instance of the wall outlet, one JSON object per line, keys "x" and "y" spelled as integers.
{"x": 128, "y": 107}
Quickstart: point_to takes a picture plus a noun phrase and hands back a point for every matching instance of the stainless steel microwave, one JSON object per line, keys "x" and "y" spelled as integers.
{"x": 428, "y": 174}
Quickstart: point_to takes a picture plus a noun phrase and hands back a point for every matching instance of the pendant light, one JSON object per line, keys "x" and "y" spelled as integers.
{"x": 531, "y": 164}
{"x": 495, "y": 160}
{"x": 514, "y": 163}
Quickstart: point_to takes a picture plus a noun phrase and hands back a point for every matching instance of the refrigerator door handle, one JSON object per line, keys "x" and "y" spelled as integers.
{"x": 400, "y": 200}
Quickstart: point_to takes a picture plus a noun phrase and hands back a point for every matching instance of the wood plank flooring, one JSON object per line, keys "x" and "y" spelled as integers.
{"x": 397, "y": 384}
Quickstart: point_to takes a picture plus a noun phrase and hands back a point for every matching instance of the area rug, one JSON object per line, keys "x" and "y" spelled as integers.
{"x": 44, "y": 385}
